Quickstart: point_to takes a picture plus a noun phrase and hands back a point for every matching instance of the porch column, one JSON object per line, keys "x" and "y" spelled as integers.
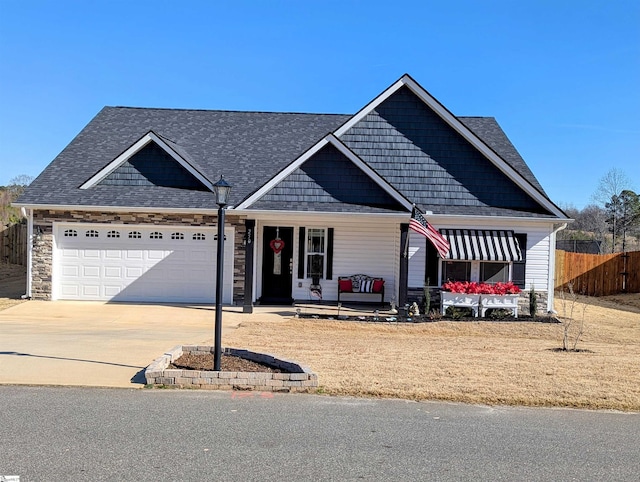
{"x": 403, "y": 281}
{"x": 250, "y": 226}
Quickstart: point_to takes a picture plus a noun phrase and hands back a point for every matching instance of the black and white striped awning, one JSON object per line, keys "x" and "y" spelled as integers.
{"x": 482, "y": 244}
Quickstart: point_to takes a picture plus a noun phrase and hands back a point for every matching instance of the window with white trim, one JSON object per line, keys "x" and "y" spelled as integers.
{"x": 494, "y": 272}
{"x": 316, "y": 252}
{"x": 70, "y": 233}
{"x": 92, "y": 233}
{"x": 155, "y": 235}
{"x": 177, "y": 236}
{"x": 113, "y": 234}
{"x": 135, "y": 235}
{"x": 199, "y": 237}
{"x": 456, "y": 271}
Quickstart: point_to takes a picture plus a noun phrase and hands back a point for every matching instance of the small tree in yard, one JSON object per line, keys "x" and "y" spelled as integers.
{"x": 573, "y": 314}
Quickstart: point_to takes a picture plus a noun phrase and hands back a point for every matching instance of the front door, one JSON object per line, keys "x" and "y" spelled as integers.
{"x": 277, "y": 265}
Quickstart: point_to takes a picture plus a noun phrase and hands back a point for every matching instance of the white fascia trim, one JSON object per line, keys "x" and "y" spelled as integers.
{"x": 120, "y": 209}
{"x": 459, "y": 127}
{"x": 507, "y": 219}
{"x": 334, "y": 141}
{"x": 270, "y": 214}
{"x": 136, "y": 147}
{"x": 457, "y": 219}
{"x": 362, "y": 113}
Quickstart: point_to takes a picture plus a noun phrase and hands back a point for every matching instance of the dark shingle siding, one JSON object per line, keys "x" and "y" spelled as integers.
{"x": 152, "y": 166}
{"x": 438, "y": 167}
{"x": 327, "y": 179}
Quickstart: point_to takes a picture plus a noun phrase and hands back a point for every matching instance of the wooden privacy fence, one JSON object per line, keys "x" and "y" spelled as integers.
{"x": 13, "y": 244}
{"x": 598, "y": 274}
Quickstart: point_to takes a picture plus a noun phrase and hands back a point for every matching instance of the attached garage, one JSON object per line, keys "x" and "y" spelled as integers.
{"x": 142, "y": 263}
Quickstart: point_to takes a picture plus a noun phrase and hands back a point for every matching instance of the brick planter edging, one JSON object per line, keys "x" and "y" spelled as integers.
{"x": 299, "y": 379}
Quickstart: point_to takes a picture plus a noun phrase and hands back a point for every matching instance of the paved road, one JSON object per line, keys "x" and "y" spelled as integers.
{"x": 70, "y": 434}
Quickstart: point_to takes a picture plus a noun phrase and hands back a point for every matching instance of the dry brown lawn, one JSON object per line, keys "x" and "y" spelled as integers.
{"x": 474, "y": 362}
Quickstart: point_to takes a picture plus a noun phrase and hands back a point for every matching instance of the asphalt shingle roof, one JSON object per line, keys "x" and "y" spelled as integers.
{"x": 249, "y": 148}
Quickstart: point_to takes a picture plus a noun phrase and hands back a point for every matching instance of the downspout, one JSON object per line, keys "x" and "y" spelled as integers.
{"x": 29, "y": 215}
{"x": 552, "y": 268}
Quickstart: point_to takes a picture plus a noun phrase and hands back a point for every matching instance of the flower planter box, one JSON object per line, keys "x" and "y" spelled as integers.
{"x": 502, "y": 302}
{"x": 460, "y": 300}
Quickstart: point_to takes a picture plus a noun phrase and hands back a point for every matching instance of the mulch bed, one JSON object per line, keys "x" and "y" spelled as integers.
{"x": 228, "y": 363}
{"x": 385, "y": 318}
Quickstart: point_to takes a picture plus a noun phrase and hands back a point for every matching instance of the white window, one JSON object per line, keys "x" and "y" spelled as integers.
{"x": 155, "y": 235}
{"x": 177, "y": 236}
{"x": 199, "y": 237}
{"x": 113, "y": 234}
{"x": 70, "y": 233}
{"x": 315, "y": 252}
{"x": 92, "y": 233}
{"x": 135, "y": 235}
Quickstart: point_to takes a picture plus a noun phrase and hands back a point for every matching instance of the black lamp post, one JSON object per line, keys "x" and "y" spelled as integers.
{"x": 222, "y": 190}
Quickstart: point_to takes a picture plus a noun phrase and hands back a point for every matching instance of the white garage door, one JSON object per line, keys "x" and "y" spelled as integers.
{"x": 139, "y": 263}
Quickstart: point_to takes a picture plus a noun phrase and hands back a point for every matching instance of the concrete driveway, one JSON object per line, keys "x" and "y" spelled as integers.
{"x": 103, "y": 344}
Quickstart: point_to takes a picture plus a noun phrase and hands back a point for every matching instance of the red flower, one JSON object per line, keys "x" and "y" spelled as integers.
{"x": 476, "y": 288}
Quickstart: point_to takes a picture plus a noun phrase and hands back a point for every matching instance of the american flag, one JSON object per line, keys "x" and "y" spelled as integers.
{"x": 420, "y": 225}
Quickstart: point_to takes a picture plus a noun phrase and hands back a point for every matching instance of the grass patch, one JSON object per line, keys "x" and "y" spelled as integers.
{"x": 472, "y": 362}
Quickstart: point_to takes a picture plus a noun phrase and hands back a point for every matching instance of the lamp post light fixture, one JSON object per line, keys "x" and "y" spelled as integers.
{"x": 221, "y": 189}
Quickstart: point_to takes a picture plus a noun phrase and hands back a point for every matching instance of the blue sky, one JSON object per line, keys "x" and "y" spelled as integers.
{"x": 562, "y": 77}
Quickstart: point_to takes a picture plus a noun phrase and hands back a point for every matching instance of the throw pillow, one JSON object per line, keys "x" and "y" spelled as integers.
{"x": 377, "y": 285}
{"x": 346, "y": 285}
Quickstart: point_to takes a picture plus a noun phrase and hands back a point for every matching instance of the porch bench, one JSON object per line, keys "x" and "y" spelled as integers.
{"x": 361, "y": 283}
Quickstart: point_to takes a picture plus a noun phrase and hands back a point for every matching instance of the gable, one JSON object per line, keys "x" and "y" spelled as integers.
{"x": 329, "y": 182}
{"x": 412, "y": 147}
{"x": 152, "y": 166}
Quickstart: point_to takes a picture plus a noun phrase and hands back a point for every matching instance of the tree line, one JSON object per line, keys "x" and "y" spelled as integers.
{"x": 612, "y": 219}
{"x": 8, "y": 194}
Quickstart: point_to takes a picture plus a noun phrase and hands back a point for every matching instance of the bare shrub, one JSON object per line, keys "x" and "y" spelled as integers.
{"x": 573, "y": 316}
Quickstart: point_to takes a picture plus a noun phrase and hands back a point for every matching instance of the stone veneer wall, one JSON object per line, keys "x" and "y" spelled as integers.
{"x": 42, "y": 256}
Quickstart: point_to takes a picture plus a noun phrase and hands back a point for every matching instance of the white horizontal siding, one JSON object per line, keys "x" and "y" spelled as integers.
{"x": 359, "y": 246}
{"x": 371, "y": 245}
{"x": 537, "y": 271}
{"x": 537, "y": 251}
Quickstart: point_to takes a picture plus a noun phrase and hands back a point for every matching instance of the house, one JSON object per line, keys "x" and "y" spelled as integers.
{"x": 126, "y": 211}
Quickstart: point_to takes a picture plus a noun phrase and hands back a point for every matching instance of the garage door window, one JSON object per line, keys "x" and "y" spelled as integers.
{"x": 70, "y": 233}
{"x": 113, "y": 234}
{"x": 155, "y": 235}
{"x": 92, "y": 233}
{"x": 135, "y": 235}
{"x": 199, "y": 237}
{"x": 177, "y": 236}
